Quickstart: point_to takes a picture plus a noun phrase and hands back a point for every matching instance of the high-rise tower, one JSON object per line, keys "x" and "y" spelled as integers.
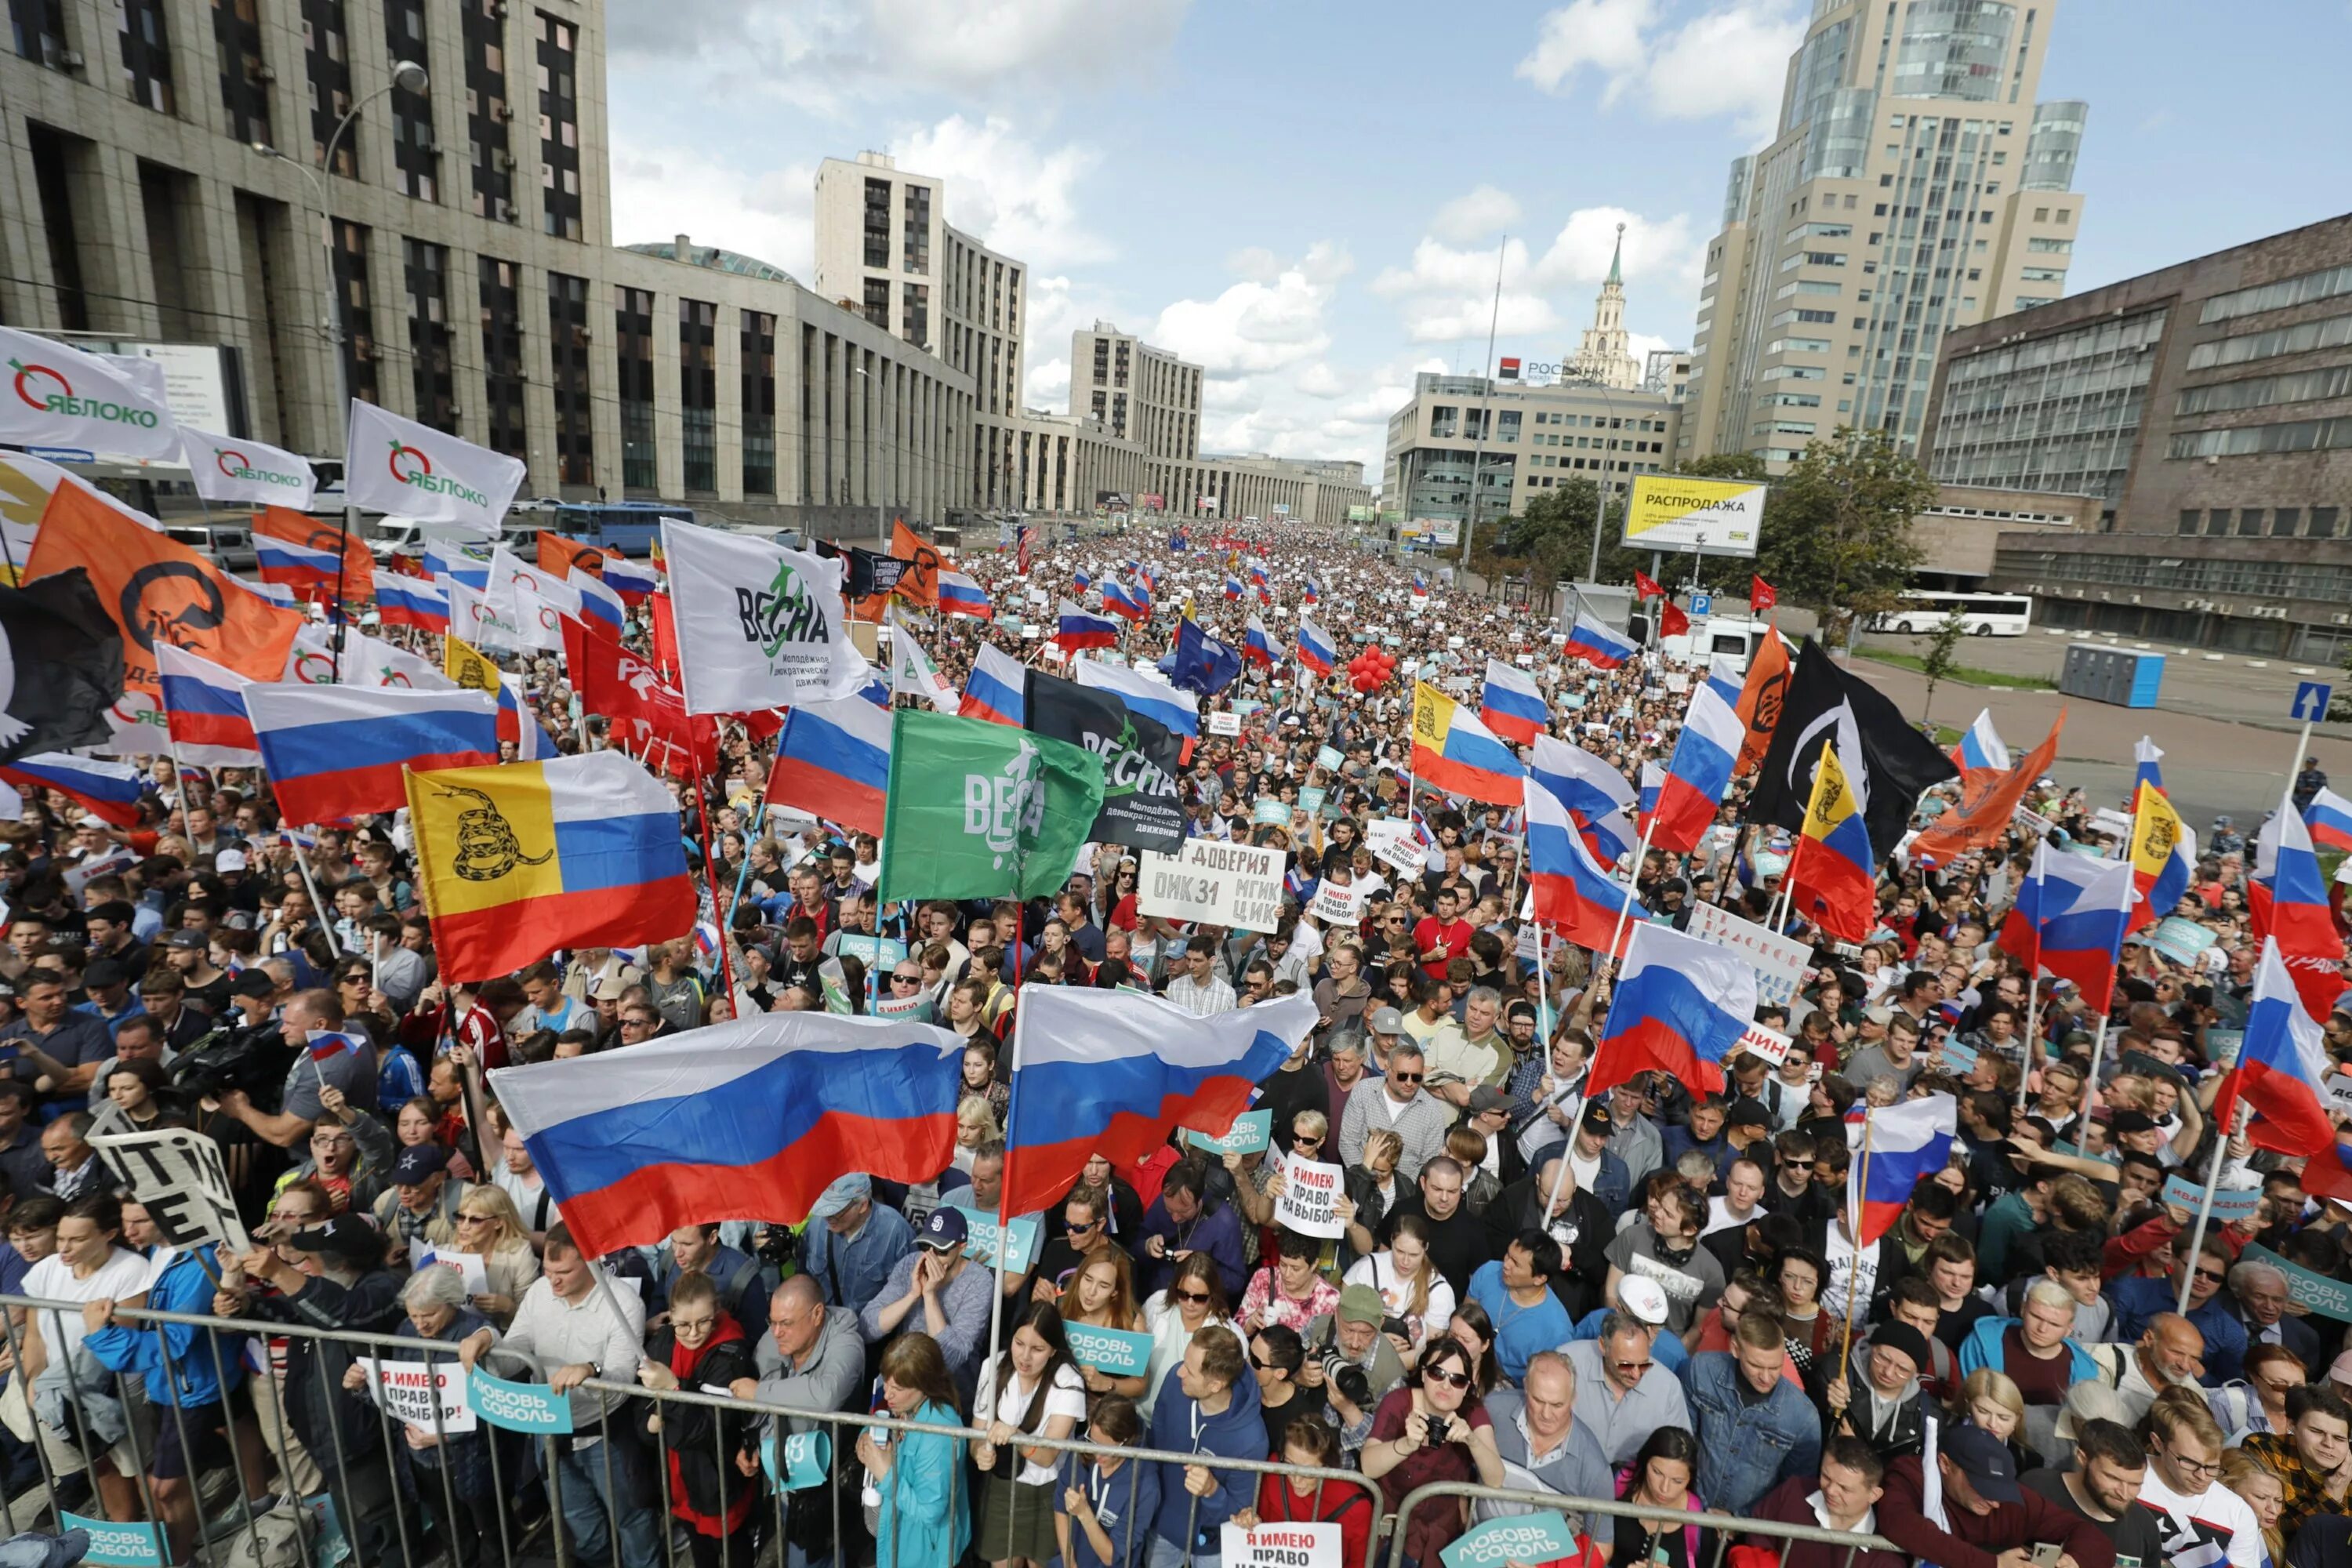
{"x": 1913, "y": 186}
{"x": 1604, "y": 357}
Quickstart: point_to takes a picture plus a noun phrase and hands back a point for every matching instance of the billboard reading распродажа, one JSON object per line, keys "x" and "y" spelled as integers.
{"x": 1715, "y": 517}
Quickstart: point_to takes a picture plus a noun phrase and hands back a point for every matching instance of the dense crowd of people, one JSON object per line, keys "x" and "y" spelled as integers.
{"x": 1649, "y": 1294}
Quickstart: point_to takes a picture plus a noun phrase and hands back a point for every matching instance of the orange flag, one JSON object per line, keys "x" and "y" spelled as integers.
{"x": 1760, "y": 701}
{"x": 557, "y": 555}
{"x": 154, "y": 588}
{"x": 320, "y": 533}
{"x": 920, "y": 585}
{"x": 1981, "y": 823}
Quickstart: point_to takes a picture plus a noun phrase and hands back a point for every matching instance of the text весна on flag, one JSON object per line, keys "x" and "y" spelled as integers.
{"x": 987, "y": 811}
{"x": 759, "y": 626}
{"x": 1141, "y": 761}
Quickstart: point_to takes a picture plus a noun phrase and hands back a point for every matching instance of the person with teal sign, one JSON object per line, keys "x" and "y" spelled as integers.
{"x": 1029, "y": 1390}
{"x": 1099, "y": 1314}
{"x": 529, "y": 1407}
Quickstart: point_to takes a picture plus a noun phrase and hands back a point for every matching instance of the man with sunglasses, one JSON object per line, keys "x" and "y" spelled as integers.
{"x": 1398, "y": 1102}
{"x": 2141, "y": 1301}
{"x": 1086, "y": 1233}
{"x": 1622, "y": 1394}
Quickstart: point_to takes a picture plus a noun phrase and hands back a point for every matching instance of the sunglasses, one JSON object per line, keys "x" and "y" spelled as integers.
{"x": 906, "y": 980}
{"x": 1197, "y": 1297}
{"x": 1075, "y": 1228}
{"x": 1451, "y": 1379}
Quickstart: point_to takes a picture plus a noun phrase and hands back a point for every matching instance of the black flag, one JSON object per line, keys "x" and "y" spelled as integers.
{"x": 1888, "y": 763}
{"x": 60, "y": 666}
{"x": 1141, "y": 760}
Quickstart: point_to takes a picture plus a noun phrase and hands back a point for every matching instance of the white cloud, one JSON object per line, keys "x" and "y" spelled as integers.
{"x": 1731, "y": 60}
{"x": 1662, "y": 253}
{"x": 1319, "y": 379}
{"x": 1020, "y": 199}
{"x": 1048, "y": 385}
{"x": 1475, "y": 216}
{"x": 1447, "y": 293}
{"x": 659, "y": 193}
{"x": 1258, "y": 325}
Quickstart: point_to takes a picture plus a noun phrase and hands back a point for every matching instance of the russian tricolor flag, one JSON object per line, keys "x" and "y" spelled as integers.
{"x": 1909, "y": 1142}
{"x": 633, "y": 580}
{"x": 1698, "y": 774}
{"x": 599, "y": 601}
{"x": 1079, "y": 581}
{"x": 204, "y": 710}
{"x": 757, "y": 1115}
{"x": 1513, "y": 705}
{"x": 1595, "y": 644}
{"x": 334, "y": 752}
{"x": 1832, "y": 877}
{"x": 2282, "y": 1066}
{"x": 1680, "y": 1006}
{"x": 996, "y": 690}
{"x": 1569, "y": 890}
{"x": 108, "y": 790}
{"x": 1177, "y": 711}
{"x": 1256, "y": 645}
{"x": 2147, "y": 755}
{"x": 1452, "y": 752}
{"x": 1311, "y": 596}
{"x": 310, "y": 572}
{"x": 960, "y": 595}
{"x": 325, "y": 1045}
{"x": 459, "y": 565}
{"x": 2288, "y": 896}
{"x": 1233, "y": 587}
{"x": 2070, "y": 917}
{"x": 833, "y": 761}
{"x": 1981, "y": 751}
{"x": 1076, "y": 627}
{"x": 1257, "y": 573}
{"x": 1599, "y": 800}
{"x": 2329, "y": 818}
{"x": 1654, "y": 779}
{"x": 1114, "y": 1072}
{"x": 419, "y": 602}
{"x": 1316, "y": 651}
{"x": 1121, "y": 600}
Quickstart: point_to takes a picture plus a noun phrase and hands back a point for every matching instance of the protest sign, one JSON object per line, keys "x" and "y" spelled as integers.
{"x": 2229, "y": 1204}
{"x": 1269, "y": 812}
{"x": 1251, "y": 1131}
{"x": 1758, "y": 1041}
{"x": 1219, "y": 884}
{"x": 2314, "y": 1293}
{"x": 1310, "y": 799}
{"x": 1114, "y": 1352}
{"x": 1336, "y": 906}
{"x": 877, "y": 953}
{"x": 518, "y": 1406}
{"x": 179, "y": 1176}
{"x": 1395, "y": 845}
{"x": 1309, "y": 1191}
{"x": 980, "y": 1242}
{"x": 1329, "y": 758}
{"x": 412, "y": 1391}
{"x": 2339, "y": 1084}
{"x": 1780, "y": 962}
{"x": 115, "y": 1545}
{"x": 2223, "y": 1046}
{"x": 1522, "y": 1538}
{"x": 1282, "y": 1546}
{"x": 2180, "y": 939}
{"x": 469, "y": 1266}
{"x": 1225, "y": 723}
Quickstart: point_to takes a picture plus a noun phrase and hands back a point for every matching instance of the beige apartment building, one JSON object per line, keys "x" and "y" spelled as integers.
{"x": 1536, "y": 439}
{"x": 1913, "y": 187}
{"x": 1135, "y": 391}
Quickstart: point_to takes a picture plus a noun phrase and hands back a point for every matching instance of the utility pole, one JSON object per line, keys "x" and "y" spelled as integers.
{"x": 1486, "y": 405}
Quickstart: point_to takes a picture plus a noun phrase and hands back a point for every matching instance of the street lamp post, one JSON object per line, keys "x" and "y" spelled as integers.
{"x": 1600, "y": 491}
{"x": 411, "y": 75}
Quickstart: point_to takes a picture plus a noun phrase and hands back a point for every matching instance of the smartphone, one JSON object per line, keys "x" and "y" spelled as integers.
{"x": 2046, "y": 1554}
{"x": 881, "y": 1407}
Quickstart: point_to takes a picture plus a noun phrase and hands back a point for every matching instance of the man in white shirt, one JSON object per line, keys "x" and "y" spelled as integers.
{"x": 2200, "y": 1517}
{"x": 1198, "y": 990}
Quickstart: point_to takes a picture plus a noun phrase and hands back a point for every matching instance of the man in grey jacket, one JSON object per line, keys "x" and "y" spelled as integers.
{"x": 814, "y": 1359}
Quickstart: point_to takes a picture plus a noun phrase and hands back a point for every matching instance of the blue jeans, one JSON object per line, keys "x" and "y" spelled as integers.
{"x": 1166, "y": 1553}
{"x": 581, "y": 1478}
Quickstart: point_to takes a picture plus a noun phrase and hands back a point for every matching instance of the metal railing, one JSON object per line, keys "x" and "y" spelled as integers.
{"x": 372, "y": 1496}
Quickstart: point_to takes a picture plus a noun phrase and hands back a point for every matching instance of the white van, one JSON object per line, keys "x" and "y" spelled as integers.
{"x": 1715, "y": 635}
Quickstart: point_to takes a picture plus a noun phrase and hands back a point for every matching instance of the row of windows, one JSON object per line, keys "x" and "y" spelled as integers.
{"x": 2263, "y": 391}
{"x": 2325, "y": 284}
{"x": 2327, "y": 583}
{"x": 2262, "y": 440}
{"x": 2327, "y": 333}
{"x": 2249, "y": 521}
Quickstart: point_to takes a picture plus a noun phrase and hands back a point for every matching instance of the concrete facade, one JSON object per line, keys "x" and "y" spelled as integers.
{"x": 1542, "y": 437}
{"x": 473, "y": 253}
{"x": 1913, "y": 187}
{"x": 2205, "y": 410}
{"x": 1135, "y": 391}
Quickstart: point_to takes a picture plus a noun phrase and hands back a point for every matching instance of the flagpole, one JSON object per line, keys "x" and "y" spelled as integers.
{"x": 1012, "y": 1104}
{"x": 2032, "y": 1027}
{"x": 2221, "y": 1136}
{"x": 1854, "y": 1230}
{"x": 1625, "y": 909}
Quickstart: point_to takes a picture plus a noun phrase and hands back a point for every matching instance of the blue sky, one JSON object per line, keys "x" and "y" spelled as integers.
{"x": 1308, "y": 197}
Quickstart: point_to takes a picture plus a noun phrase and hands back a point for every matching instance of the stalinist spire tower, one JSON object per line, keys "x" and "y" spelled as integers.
{"x": 1603, "y": 359}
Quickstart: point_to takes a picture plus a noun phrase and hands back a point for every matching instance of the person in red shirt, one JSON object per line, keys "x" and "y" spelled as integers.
{"x": 1443, "y": 937}
{"x": 1292, "y": 1499}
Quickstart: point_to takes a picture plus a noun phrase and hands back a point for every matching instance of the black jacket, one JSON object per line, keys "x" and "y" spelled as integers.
{"x": 1584, "y": 1255}
{"x": 315, "y": 1368}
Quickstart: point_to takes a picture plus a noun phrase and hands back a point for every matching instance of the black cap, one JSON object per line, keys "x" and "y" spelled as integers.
{"x": 345, "y": 1236}
{"x": 1985, "y": 1460}
{"x": 2125, "y": 1121}
{"x": 253, "y": 983}
{"x": 1903, "y": 1337}
{"x": 1597, "y": 1118}
{"x": 193, "y": 940}
{"x": 1747, "y": 1113}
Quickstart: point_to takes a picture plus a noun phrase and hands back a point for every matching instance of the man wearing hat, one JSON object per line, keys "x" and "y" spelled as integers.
{"x": 1876, "y": 1396}
{"x": 852, "y": 1243}
{"x": 1353, "y": 1333}
{"x": 936, "y": 1291}
{"x": 1986, "y": 1513}
{"x": 420, "y": 1205}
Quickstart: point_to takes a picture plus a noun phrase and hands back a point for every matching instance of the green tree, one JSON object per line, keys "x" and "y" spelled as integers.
{"x": 1837, "y": 528}
{"x": 1726, "y": 466}
{"x": 1941, "y": 657}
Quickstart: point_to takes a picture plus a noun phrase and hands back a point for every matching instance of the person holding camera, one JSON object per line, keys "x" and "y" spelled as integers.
{"x": 1436, "y": 1431}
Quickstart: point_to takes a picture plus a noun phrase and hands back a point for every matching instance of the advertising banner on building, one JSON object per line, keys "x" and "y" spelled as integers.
{"x": 1714, "y": 517}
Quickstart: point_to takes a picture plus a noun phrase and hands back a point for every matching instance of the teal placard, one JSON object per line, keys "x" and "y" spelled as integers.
{"x": 2223, "y": 1046}
{"x": 1269, "y": 813}
{"x": 2316, "y": 1293}
{"x": 980, "y": 1246}
{"x": 1114, "y": 1352}
{"x": 1252, "y": 1131}
{"x": 1522, "y": 1538}
{"x": 808, "y": 1457}
{"x": 1329, "y": 757}
{"x": 874, "y": 952}
{"x": 119, "y": 1545}
{"x": 2229, "y": 1204}
{"x": 518, "y": 1406}
{"x": 1310, "y": 799}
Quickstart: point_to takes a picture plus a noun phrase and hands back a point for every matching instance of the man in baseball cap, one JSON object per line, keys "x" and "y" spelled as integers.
{"x": 936, "y": 1291}
{"x": 1983, "y": 1505}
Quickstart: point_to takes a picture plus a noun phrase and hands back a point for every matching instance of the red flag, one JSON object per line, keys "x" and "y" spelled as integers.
{"x": 1672, "y": 621}
{"x": 648, "y": 715}
{"x": 1761, "y": 595}
{"x": 1647, "y": 588}
{"x": 665, "y": 632}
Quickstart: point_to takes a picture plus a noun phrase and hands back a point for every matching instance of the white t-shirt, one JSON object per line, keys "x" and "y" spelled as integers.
{"x": 120, "y": 1277}
{"x": 2200, "y": 1532}
{"x": 1066, "y": 1397}
{"x": 1380, "y": 1272}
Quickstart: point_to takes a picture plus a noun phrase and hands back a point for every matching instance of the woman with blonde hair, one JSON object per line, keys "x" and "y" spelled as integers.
{"x": 1990, "y": 1399}
{"x": 489, "y": 1225}
{"x": 975, "y": 1125}
{"x": 2259, "y": 1486}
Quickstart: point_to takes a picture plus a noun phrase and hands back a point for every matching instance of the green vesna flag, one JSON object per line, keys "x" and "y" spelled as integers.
{"x": 979, "y": 810}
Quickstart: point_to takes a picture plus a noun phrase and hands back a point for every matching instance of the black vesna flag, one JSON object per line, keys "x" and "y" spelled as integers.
{"x": 1141, "y": 759}
{"x": 60, "y": 666}
{"x": 1887, "y": 762}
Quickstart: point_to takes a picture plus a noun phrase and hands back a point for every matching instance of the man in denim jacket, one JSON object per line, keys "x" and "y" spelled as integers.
{"x": 1754, "y": 1428}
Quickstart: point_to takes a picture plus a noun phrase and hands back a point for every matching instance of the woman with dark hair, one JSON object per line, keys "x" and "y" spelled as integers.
{"x": 924, "y": 1518}
{"x": 1313, "y": 1443}
{"x": 1193, "y": 1301}
{"x": 1028, "y": 1389}
{"x": 1475, "y": 1332}
{"x": 1106, "y": 1504}
{"x": 1660, "y": 1477}
{"x": 1435, "y": 1429}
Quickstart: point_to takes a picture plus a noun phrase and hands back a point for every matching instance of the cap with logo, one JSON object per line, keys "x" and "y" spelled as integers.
{"x": 1385, "y": 1021}
{"x": 229, "y": 860}
{"x": 419, "y": 1162}
{"x": 1645, "y": 1300}
{"x": 945, "y": 1231}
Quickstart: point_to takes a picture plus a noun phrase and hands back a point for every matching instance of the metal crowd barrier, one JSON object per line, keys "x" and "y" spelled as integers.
{"x": 505, "y": 1450}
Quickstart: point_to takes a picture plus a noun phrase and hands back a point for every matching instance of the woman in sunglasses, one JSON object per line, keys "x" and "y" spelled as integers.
{"x": 1194, "y": 1299}
{"x": 1433, "y": 1429}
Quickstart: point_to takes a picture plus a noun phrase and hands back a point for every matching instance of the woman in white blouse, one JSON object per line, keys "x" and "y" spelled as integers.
{"x": 1030, "y": 1390}
{"x": 1410, "y": 1286}
{"x": 1193, "y": 1300}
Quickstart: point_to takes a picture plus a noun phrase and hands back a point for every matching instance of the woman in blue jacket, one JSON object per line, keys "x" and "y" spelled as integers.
{"x": 925, "y": 1516}
{"x": 1209, "y": 1405}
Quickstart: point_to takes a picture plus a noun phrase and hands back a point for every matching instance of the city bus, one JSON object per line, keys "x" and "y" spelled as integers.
{"x": 1984, "y": 615}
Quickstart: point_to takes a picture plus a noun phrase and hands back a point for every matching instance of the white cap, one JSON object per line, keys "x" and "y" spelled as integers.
{"x": 1645, "y": 1299}
{"x": 229, "y": 860}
